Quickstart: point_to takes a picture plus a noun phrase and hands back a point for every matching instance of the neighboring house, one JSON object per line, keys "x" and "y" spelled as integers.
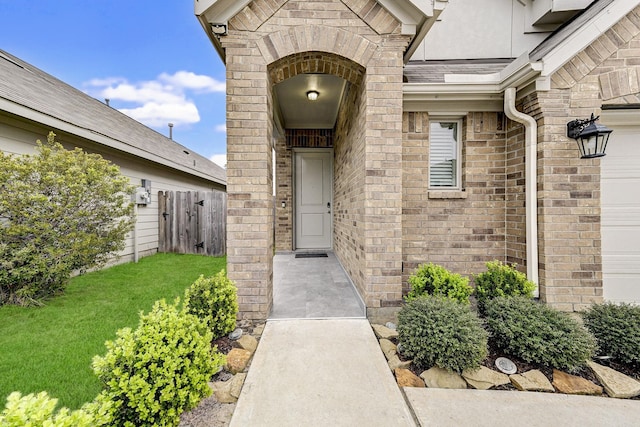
{"x": 33, "y": 103}
{"x": 438, "y": 134}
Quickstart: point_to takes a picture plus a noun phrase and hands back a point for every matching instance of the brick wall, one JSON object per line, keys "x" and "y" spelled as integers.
{"x": 284, "y": 193}
{"x": 348, "y": 191}
{"x": 460, "y": 230}
{"x": 569, "y": 187}
{"x": 272, "y": 40}
{"x": 515, "y": 195}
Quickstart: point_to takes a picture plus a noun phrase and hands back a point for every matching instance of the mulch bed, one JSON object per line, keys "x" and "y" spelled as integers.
{"x": 523, "y": 366}
{"x": 224, "y": 344}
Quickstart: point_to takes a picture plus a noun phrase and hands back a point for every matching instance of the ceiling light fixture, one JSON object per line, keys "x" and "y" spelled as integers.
{"x": 312, "y": 95}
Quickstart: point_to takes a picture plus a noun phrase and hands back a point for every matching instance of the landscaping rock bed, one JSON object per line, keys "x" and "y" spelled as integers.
{"x": 596, "y": 379}
{"x": 217, "y": 409}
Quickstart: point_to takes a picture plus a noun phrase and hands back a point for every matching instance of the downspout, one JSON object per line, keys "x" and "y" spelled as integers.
{"x": 531, "y": 201}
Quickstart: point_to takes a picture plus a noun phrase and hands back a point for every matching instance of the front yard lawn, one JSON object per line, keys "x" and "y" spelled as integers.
{"x": 50, "y": 348}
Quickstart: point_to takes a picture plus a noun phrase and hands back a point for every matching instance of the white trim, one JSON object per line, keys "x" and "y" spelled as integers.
{"x": 219, "y": 10}
{"x": 585, "y": 35}
{"x": 90, "y": 135}
{"x": 458, "y": 159}
{"x": 620, "y": 117}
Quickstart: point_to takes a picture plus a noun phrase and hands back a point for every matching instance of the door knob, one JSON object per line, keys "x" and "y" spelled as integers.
{"x": 328, "y": 207}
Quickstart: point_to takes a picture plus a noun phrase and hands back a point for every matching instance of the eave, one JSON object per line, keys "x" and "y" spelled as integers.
{"x": 471, "y": 92}
{"x": 416, "y": 18}
{"x": 99, "y": 138}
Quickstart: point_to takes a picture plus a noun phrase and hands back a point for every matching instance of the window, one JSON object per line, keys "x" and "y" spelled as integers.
{"x": 444, "y": 154}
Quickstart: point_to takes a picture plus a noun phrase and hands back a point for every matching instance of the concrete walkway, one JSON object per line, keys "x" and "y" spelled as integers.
{"x": 332, "y": 372}
{"x": 489, "y": 408}
{"x": 320, "y": 373}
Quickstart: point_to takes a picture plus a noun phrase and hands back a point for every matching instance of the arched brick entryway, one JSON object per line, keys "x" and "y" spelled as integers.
{"x": 368, "y": 148}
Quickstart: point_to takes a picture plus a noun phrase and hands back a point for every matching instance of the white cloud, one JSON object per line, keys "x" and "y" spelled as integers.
{"x": 157, "y": 114}
{"x": 189, "y": 80}
{"x": 219, "y": 159}
{"x": 157, "y": 102}
{"x": 221, "y": 128}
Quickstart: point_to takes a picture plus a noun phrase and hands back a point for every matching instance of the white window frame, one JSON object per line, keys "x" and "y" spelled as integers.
{"x": 457, "y": 185}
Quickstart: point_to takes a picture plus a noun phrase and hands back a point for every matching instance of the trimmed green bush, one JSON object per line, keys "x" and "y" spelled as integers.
{"x": 435, "y": 330}
{"x": 501, "y": 280}
{"x": 153, "y": 374}
{"x": 617, "y": 330}
{"x": 38, "y": 410}
{"x": 432, "y": 279}
{"x": 60, "y": 211}
{"x": 535, "y": 332}
{"x": 214, "y": 299}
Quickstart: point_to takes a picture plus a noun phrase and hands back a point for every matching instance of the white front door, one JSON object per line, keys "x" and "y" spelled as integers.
{"x": 314, "y": 179}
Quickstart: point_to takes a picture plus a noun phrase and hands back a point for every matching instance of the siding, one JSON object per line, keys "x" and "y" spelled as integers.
{"x": 17, "y": 137}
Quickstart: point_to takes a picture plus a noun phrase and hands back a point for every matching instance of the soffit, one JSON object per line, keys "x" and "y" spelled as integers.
{"x": 298, "y": 112}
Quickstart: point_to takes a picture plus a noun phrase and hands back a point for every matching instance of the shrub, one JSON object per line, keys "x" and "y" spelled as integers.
{"x": 153, "y": 374}
{"x": 38, "y": 410}
{"x": 60, "y": 211}
{"x": 617, "y": 330}
{"x": 535, "y": 332}
{"x": 440, "y": 331}
{"x": 214, "y": 299}
{"x": 432, "y": 279}
{"x": 501, "y": 280}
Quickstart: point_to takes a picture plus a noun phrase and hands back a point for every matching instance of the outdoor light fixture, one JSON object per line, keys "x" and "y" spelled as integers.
{"x": 312, "y": 95}
{"x": 592, "y": 138}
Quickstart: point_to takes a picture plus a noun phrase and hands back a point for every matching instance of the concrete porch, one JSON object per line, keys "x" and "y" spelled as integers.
{"x": 313, "y": 288}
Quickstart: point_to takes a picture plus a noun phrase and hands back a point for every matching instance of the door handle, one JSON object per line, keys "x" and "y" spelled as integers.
{"x": 328, "y": 207}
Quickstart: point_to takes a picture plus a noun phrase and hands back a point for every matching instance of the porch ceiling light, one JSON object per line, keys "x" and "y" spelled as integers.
{"x": 312, "y": 95}
{"x": 592, "y": 138}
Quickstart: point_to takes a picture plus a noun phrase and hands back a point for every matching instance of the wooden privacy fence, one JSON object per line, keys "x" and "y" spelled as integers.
{"x": 192, "y": 222}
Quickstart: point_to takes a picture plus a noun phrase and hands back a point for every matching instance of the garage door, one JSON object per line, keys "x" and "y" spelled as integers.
{"x": 621, "y": 215}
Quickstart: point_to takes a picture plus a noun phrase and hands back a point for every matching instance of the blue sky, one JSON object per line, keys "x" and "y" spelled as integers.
{"x": 151, "y": 58}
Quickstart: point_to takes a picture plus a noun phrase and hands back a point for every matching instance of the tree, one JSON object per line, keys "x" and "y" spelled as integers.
{"x": 60, "y": 211}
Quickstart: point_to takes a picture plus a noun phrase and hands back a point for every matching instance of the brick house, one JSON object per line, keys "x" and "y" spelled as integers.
{"x": 399, "y": 132}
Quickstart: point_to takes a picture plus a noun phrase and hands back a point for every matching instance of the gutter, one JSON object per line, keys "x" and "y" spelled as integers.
{"x": 94, "y": 136}
{"x": 458, "y": 87}
{"x": 531, "y": 141}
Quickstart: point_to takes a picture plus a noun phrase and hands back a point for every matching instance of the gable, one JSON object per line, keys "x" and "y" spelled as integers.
{"x": 364, "y": 17}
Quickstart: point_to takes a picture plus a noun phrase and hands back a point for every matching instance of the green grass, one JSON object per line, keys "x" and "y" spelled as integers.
{"x": 50, "y": 348}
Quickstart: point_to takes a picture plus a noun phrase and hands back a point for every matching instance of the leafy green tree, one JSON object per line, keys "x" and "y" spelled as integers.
{"x": 60, "y": 211}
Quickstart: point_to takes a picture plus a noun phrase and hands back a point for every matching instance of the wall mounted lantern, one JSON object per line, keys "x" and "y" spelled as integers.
{"x": 592, "y": 138}
{"x": 312, "y": 95}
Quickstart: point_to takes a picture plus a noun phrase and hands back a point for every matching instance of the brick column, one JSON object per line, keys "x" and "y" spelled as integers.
{"x": 249, "y": 179}
{"x": 383, "y": 176}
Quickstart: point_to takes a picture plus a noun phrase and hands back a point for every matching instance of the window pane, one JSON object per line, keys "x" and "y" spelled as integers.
{"x": 443, "y": 150}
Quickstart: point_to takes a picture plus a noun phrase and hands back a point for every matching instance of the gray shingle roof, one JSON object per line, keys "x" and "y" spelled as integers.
{"x": 27, "y": 86}
{"x": 434, "y": 71}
